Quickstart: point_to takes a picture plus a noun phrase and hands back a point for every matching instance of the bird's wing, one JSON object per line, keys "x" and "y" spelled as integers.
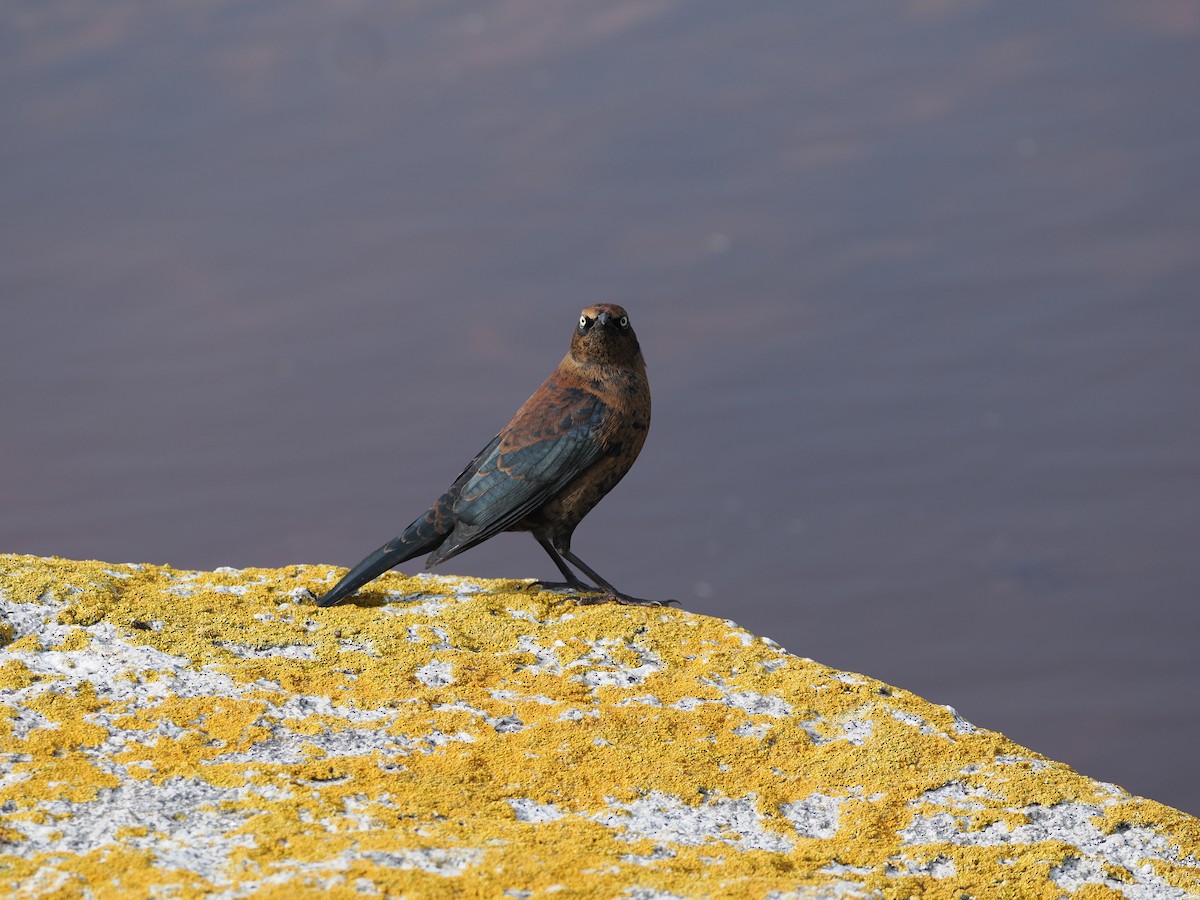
{"x": 535, "y": 457}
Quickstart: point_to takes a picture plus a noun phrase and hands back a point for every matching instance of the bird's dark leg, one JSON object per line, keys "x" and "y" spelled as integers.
{"x": 572, "y": 580}
{"x": 611, "y": 592}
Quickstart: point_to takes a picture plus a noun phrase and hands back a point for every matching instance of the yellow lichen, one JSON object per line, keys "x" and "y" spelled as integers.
{"x": 31, "y": 642}
{"x": 76, "y": 639}
{"x": 465, "y": 700}
{"x": 15, "y": 675}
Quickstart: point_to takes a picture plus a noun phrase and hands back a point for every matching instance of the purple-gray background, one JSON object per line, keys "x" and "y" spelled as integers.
{"x": 917, "y": 284}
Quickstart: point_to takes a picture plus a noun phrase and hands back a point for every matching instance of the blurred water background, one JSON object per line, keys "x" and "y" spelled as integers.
{"x": 916, "y": 283}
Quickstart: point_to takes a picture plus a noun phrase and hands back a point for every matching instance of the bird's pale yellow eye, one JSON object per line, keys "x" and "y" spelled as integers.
{"x": 583, "y": 322}
{"x": 624, "y": 322}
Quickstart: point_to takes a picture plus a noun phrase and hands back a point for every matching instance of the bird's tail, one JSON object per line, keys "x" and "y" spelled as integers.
{"x": 422, "y": 536}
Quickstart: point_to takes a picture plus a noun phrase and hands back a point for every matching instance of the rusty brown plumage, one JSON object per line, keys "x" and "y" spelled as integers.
{"x": 565, "y": 448}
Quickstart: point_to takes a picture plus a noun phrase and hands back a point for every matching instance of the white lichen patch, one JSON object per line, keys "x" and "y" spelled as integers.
{"x": 751, "y": 702}
{"x": 527, "y": 810}
{"x": 666, "y": 819}
{"x": 437, "y": 673}
{"x": 245, "y": 651}
{"x": 546, "y": 659}
{"x": 1098, "y": 851}
{"x": 184, "y": 827}
{"x": 939, "y": 867}
{"x": 854, "y": 728}
{"x": 816, "y": 816}
{"x": 754, "y": 732}
{"x": 605, "y": 665}
{"x": 957, "y": 794}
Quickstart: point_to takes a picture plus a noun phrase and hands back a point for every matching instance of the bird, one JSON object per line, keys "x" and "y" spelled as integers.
{"x": 564, "y": 449}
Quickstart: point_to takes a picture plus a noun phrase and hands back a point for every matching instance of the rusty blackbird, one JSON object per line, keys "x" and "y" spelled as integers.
{"x": 566, "y": 447}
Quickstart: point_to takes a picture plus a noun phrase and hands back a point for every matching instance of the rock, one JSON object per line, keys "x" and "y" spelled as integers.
{"x": 170, "y": 733}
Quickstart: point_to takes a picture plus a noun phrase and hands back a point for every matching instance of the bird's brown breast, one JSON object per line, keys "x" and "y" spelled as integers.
{"x": 623, "y": 392}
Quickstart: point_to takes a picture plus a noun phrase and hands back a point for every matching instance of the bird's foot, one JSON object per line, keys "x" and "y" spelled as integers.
{"x": 623, "y": 599}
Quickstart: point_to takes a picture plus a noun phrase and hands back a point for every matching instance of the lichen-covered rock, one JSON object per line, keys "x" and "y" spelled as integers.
{"x": 186, "y": 734}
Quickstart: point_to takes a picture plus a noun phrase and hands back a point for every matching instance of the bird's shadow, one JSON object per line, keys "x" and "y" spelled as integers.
{"x": 368, "y": 599}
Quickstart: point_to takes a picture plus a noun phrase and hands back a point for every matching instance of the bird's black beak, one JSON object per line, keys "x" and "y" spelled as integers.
{"x": 603, "y": 319}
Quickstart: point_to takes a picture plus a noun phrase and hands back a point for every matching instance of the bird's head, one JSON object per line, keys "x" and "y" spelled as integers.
{"x": 603, "y": 335}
